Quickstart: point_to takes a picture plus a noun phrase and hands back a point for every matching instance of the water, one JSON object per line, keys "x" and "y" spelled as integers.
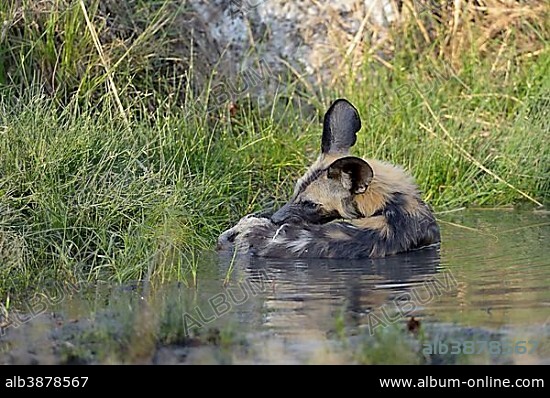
{"x": 483, "y": 297}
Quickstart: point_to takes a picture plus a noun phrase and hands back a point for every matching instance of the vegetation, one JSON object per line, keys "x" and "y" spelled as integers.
{"x": 114, "y": 167}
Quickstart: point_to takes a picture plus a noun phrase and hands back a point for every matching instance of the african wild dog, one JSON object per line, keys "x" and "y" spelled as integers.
{"x": 343, "y": 207}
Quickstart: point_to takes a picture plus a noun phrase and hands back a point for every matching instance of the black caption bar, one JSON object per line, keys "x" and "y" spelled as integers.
{"x": 129, "y": 379}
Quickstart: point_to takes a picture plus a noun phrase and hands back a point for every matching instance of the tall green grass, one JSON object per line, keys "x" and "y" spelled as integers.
{"x": 89, "y": 194}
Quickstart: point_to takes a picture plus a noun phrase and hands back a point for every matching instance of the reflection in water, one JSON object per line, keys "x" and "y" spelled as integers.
{"x": 308, "y": 296}
{"x": 489, "y": 281}
{"x": 316, "y": 290}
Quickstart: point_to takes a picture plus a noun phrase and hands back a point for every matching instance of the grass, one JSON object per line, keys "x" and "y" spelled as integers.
{"x": 113, "y": 171}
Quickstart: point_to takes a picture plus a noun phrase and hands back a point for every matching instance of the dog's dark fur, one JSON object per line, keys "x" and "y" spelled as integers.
{"x": 343, "y": 207}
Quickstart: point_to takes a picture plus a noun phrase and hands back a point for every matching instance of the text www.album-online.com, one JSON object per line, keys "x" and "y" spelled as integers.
{"x": 430, "y": 381}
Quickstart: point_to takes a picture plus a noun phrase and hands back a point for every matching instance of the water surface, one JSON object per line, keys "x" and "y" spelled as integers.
{"x": 484, "y": 294}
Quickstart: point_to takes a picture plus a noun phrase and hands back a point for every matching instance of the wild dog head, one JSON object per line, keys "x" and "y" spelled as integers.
{"x": 330, "y": 187}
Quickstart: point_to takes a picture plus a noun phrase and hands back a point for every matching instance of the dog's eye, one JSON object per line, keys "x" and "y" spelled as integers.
{"x": 310, "y": 205}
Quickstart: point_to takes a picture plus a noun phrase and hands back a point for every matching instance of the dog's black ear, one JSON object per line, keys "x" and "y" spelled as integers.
{"x": 340, "y": 127}
{"x": 354, "y": 173}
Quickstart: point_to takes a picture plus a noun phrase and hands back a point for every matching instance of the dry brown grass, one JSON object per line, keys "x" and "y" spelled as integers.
{"x": 487, "y": 27}
{"x": 503, "y": 31}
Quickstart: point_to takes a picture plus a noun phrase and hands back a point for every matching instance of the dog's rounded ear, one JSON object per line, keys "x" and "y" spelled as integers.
{"x": 340, "y": 127}
{"x": 354, "y": 173}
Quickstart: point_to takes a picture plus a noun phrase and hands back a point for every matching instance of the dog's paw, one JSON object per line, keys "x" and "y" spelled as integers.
{"x": 227, "y": 239}
{"x": 248, "y": 228}
{"x": 239, "y": 234}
